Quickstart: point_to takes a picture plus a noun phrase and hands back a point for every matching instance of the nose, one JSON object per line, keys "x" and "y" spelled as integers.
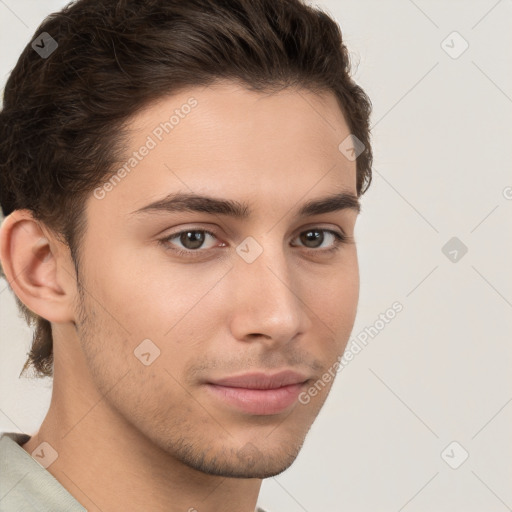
{"x": 267, "y": 302}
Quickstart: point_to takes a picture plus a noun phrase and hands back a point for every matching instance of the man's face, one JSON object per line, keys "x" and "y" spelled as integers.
{"x": 260, "y": 295}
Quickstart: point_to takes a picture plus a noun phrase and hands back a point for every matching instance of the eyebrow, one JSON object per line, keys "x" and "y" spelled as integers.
{"x": 185, "y": 202}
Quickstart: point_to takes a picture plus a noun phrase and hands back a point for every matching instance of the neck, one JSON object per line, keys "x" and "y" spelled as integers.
{"x": 106, "y": 463}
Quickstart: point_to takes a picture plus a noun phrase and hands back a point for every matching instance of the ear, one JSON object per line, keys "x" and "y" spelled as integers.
{"x": 38, "y": 267}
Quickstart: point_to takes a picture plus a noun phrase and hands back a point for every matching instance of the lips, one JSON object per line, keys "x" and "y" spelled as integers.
{"x": 259, "y": 393}
{"x": 262, "y": 380}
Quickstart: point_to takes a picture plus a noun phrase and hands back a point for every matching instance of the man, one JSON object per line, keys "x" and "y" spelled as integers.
{"x": 180, "y": 183}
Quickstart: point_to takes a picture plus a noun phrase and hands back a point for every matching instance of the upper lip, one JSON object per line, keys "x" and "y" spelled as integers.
{"x": 259, "y": 380}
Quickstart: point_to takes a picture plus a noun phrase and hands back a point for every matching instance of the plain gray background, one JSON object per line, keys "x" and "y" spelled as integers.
{"x": 440, "y": 371}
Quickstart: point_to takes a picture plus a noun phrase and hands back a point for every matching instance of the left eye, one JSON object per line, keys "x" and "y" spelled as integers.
{"x": 193, "y": 239}
{"x": 317, "y": 237}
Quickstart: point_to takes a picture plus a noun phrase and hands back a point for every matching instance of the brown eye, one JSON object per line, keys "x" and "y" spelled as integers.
{"x": 191, "y": 240}
{"x": 314, "y": 238}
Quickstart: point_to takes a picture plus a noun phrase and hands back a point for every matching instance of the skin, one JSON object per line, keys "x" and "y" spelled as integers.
{"x": 135, "y": 437}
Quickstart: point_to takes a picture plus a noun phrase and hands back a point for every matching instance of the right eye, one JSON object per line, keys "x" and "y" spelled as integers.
{"x": 191, "y": 240}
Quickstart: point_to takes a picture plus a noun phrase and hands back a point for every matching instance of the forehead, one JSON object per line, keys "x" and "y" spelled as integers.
{"x": 224, "y": 140}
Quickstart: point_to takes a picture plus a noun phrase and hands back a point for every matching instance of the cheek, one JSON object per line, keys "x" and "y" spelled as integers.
{"x": 334, "y": 298}
{"x": 151, "y": 297}
{"x": 144, "y": 288}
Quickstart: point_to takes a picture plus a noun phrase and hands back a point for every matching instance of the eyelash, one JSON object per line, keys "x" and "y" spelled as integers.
{"x": 340, "y": 239}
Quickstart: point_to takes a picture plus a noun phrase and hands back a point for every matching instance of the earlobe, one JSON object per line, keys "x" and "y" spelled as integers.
{"x": 36, "y": 268}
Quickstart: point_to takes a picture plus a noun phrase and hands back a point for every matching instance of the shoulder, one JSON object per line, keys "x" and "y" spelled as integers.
{"x": 25, "y": 484}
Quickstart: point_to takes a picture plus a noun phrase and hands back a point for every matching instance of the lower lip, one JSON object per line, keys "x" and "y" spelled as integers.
{"x": 258, "y": 401}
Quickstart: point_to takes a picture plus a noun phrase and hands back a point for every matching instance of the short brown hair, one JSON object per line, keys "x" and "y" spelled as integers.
{"x": 61, "y": 127}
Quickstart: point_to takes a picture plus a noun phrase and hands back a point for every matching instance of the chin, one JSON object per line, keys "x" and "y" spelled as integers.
{"x": 249, "y": 461}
